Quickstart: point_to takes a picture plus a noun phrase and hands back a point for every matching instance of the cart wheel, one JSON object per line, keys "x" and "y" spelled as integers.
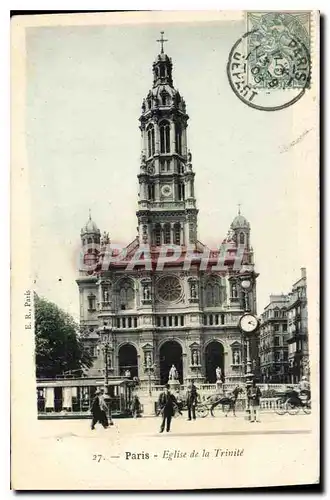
{"x": 281, "y": 409}
{"x": 292, "y": 409}
{"x": 202, "y": 411}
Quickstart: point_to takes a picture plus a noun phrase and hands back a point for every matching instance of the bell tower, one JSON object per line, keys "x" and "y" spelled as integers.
{"x": 167, "y": 212}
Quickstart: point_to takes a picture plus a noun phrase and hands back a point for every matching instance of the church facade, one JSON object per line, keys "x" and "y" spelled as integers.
{"x": 166, "y": 299}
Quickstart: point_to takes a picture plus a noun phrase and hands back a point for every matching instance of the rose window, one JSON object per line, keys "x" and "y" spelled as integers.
{"x": 169, "y": 289}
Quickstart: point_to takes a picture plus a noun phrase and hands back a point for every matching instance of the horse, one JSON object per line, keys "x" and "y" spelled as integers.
{"x": 228, "y": 401}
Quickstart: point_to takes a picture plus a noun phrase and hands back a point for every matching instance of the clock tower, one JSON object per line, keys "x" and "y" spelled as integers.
{"x": 167, "y": 212}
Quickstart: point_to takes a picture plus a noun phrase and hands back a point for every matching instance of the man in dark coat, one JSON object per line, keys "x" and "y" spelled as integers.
{"x": 167, "y": 404}
{"x": 99, "y": 410}
{"x": 254, "y": 395}
{"x": 192, "y": 400}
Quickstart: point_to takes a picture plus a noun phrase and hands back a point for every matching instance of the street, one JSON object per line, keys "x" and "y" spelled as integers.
{"x": 132, "y": 454}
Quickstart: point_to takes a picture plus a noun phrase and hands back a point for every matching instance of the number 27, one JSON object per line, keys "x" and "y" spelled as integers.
{"x": 98, "y": 458}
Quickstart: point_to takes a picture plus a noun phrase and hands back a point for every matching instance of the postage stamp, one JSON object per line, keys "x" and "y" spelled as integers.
{"x": 269, "y": 67}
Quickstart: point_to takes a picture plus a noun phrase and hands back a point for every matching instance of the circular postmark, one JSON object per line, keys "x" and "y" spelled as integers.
{"x": 269, "y": 69}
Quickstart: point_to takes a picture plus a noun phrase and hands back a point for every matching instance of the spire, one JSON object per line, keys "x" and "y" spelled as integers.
{"x": 161, "y": 41}
{"x": 239, "y": 208}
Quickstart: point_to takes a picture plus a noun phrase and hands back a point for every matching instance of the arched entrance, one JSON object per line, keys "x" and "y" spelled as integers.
{"x": 128, "y": 360}
{"x": 214, "y": 357}
{"x": 170, "y": 354}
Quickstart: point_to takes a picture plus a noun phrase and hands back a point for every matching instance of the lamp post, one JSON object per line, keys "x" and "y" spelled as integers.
{"x": 105, "y": 347}
{"x": 150, "y": 367}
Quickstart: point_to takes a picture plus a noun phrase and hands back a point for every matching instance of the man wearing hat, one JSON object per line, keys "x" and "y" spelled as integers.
{"x": 167, "y": 404}
{"x": 99, "y": 410}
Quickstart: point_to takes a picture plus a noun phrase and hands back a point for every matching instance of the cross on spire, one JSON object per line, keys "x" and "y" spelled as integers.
{"x": 239, "y": 208}
{"x": 161, "y": 41}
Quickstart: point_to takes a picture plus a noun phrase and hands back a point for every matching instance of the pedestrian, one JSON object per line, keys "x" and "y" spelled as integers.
{"x": 167, "y": 404}
{"x": 254, "y": 395}
{"x": 192, "y": 397}
{"x": 136, "y": 406}
{"x": 99, "y": 410}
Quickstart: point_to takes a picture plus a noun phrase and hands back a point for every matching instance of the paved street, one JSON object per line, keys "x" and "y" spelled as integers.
{"x": 208, "y": 452}
{"x": 148, "y": 428}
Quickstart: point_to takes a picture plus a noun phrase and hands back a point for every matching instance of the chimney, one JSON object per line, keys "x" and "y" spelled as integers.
{"x": 303, "y": 272}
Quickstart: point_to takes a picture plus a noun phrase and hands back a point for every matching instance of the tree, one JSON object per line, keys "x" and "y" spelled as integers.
{"x": 58, "y": 345}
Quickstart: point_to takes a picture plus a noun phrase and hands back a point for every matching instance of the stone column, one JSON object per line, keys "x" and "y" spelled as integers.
{"x": 67, "y": 398}
{"x": 50, "y": 399}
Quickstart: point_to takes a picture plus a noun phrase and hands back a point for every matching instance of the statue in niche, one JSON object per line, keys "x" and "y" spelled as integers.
{"x": 195, "y": 358}
{"x": 148, "y": 360}
{"x": 193, "y": 290}
{"x": 236, "y": 358}
{"x": 146, "y": 292}
{"x": 106, "y": 295}
{"x": 173, "y": 374}
{"x": 218, "y": 373}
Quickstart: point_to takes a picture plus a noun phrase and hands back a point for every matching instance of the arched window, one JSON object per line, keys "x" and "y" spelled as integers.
{"x": 151, "y": 192}
{"x": 164, "y": 99}
{"x": 242, "y": 238}
{"x": 158, "y": 235}
{"x": 167, "y": 234}
{"x": 214, "y": 294}
{"x": 164, "y": 130}
{"x": 126, "y": 294}
{"x": 151, "y": 140}
{"x": 181, "y": 191}
{"x": 178, "y": 138}
{"x": 177, "y": 234}
{"x": 162, "y": 70}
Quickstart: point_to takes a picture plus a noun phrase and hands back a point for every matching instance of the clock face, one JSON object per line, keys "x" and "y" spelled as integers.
{"x": 166, "y": 190}
{"x": 248, "y": 323}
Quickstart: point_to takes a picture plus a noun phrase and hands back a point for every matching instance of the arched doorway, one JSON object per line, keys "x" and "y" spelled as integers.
{"x": 128, "y": 360}
{"x": 214, "y": 357}
{"x": 170, "y": 354}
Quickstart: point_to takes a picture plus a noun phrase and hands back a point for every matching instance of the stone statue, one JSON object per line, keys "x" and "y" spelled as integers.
{"x": 189, "y": 156}
{"x": 106, "y": 295}
{"x": 236, "y": 358}
{"x": 218, "y": 373}
{"x": 193, "y": 291}
{"x": 105, "y": 240}
{"x": 148, "y": 360}
{"x": 146, "y": 292}
{"x": 195, "y": 358}
{"x": 173, "y": 375}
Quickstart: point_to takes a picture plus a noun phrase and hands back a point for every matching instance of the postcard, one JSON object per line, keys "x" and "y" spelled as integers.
{"x": 164, "y": 247}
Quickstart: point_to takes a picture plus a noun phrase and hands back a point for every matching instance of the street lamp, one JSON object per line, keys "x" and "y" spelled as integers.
{"x": 150, "y": 367}
{"x": 105, "y": 347}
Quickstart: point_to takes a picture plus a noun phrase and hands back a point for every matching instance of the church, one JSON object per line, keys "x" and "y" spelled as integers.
{"x": 169, "y": 300}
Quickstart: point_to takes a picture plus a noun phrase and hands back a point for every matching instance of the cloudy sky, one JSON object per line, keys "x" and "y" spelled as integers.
{"x": 85, "y": 86}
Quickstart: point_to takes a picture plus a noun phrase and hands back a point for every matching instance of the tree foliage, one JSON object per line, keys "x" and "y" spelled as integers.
{"x": 58, "y": 345}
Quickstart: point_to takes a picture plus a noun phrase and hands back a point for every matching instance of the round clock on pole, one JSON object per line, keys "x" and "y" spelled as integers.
{"x": 248, "y": 323}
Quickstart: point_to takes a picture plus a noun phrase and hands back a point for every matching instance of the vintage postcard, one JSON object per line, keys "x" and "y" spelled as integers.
{"x": 165, "y": 294}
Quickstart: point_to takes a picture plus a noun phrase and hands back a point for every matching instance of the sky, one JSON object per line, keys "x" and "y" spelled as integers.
{"x": 85, "y": 86}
